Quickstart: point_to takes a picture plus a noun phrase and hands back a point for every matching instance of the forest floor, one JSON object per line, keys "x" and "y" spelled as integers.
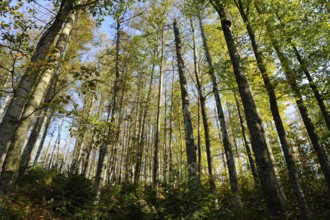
{"x": 48, "y": 194}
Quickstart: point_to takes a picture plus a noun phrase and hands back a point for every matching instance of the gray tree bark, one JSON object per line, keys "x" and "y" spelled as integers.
{"x": 157, "y": 134}
{"x": 35, "y": 133}
{"x": 189, "y": 135}
{"x": 224, "y": 132}
{"x": 273, "y": 193}
{"x": 43, "y": 138}
{"x": 202, "y": 100}
{"x": 293, "y": 173}
{"x": 316, "y": 144}
{"x": 15, "y": 109}
{"x": 10, "y": 166}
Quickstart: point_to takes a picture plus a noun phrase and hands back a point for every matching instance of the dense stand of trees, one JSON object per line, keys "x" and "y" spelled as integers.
{"x": 122, "y": 104}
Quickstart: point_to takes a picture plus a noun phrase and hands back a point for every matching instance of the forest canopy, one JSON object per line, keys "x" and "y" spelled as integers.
{"x": 175, "y": 109}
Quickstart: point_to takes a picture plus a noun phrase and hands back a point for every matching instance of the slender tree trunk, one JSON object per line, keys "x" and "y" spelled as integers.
{"x": 165, "y": 167}
{"x": 43, "y": 138}
{"x": 224, "y": 132}
{"x": 202, "y": 101}
{"x": 222, "y": 154}
{"x": 199, "y": 147}
{"x": 101, "y": 164}
{"x": 318, "y": 148}
{"x": 180, "y": 156}
{"x": 15, "y": 109}
{"x": 81, "y": 134}
{"x": 273, "y": 193}
{"x": 230, "y": 118}
{"x": 292, "y": 169}
{"x": 141, "y": 136}
{"x": 189, "y": 134}
{"x": 171, "y": 130}
{"x": 246, "y": 144}
{"x": 313, "y": 86}
{"x": 157, "y": 139}
{"x": 87, "y": 163}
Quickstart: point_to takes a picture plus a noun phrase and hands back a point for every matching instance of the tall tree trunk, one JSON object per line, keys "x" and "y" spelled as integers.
{"x": 101, "y": 163}
{"x": 292, "y": 169}
{"x": 141, "y": 136}
{"x": 43, "y": 138}
{"x": 246, "y": 144}
{"x": 157, "y": 139}
{"x": 318, "y": 148}
{"x": 230, "y": 118}
{"x": 36, "y": 131}
{"x": 15, "y": 109}
{"x": 165, "y": 136}
{"x": 222, "y": 154}
{"x": 87, "y": 163}
{"x": 224, "y": 133}
{"x": 199, "y": 147}
{"x": 189, "y": 134}
{"x": 313, "y": 86}
{"x": 171, "y": 130}
{"x": 81, "y": 134}
{"x": 273, "y": 193}
{"x": 202, "y": 101}
{"x": 10, "y": 166}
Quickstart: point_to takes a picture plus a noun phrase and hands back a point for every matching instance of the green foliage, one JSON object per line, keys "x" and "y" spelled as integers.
{"x": 123, "y": 202}
{"x": 177, "y": 202}
{"x": 46, "y": 192}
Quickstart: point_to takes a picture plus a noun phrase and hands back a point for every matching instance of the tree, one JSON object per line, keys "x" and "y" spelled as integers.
{"x": 269, "y": 183}
{"x": 293, "y": 173}
{"x": 223, "y": 126}
{"x": 190, "y": 145}
{"x": 292, "y": 81}
{"x": 20, "y": 129}
{"x": 26, "y": 85}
